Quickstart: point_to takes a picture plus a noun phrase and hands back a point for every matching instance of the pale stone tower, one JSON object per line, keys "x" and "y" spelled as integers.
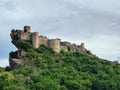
{"x": 35, "y": 39}
{"x": 55, "y": 44}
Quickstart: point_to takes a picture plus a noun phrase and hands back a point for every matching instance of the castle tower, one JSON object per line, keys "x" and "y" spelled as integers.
{"x": 82, "y": 45}
{"x": 27, "y": 28}
{"x": 35, "y": 39}
{"x": 54, "y": 44}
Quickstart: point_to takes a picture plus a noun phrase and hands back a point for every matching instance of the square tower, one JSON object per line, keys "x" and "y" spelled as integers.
{"x": 27, "y": 28}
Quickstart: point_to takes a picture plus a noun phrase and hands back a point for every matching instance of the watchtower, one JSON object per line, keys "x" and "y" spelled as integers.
{"x": 27, "y": 28}
{"x": 82, "y": 45}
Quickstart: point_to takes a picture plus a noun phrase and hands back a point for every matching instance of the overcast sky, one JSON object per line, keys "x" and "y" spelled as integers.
{"x": 94, "y": 22}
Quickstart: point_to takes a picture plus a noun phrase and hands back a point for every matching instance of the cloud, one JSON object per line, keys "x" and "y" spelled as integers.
{"x": 105, "y": 46}
{"x": 8, "y": 5}
{"x": 94, "y": 22}
{"x": 4, "y": 62}
{"x": 10, "y": 10}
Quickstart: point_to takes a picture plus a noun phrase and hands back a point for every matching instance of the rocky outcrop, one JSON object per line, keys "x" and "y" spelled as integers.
{"x": 15, "y": 63}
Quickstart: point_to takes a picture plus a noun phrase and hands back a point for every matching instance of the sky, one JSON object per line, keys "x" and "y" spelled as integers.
{"x": 94, "y": 22}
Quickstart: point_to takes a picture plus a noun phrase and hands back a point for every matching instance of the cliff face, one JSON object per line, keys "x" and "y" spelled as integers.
{"x": 36, "y": 40}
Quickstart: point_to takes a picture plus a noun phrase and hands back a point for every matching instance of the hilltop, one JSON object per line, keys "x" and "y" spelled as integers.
{"x": 43, "y": 68}
{"x": 25, "y": 40}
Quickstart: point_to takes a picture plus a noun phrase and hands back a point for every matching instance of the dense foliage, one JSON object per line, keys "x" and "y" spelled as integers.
{"x": 45, "y": 69}
{"x": 25, "y": 45}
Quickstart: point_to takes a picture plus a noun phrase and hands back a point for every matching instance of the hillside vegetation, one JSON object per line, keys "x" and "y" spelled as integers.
{"x": 44, "y": 69}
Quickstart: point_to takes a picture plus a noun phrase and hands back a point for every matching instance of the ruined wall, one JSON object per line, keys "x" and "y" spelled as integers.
{"x": 21, "y": 53}
{"x": 73, "y": 47}
{"x": 64, "y": 46}
{"x": 15, "y": 63}
{"x": 20, "y": 34}
{"x": 24, "y": 36}
{"x": 55, "y": 44}
{"x": 43, "y": 41}
{"x": 37, "y": 40}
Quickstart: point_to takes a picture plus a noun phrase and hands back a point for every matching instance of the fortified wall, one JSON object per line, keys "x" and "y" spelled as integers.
{"x": 36, "y": 40}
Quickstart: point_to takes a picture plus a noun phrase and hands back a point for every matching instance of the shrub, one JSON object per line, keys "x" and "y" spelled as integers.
{"x": 69, "y": 48}
{"x": 26, "y": 45}
{"x": 14, "y": 54}
{"x": 88, "y": 52}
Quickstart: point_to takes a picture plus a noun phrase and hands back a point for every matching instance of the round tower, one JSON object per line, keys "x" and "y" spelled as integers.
{"x": 55, "y": 44}
{"x": 35, "y": 39}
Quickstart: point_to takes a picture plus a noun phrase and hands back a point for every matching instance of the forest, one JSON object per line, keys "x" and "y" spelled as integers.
{"x": 44, "y": 69}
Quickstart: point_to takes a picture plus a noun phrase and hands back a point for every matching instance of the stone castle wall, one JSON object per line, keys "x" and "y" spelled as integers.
{"x": 43, "y": 41}
{"x": 25, "y": 36}
{"x": 73, "y": 47}
{"x": 37, "y": 40}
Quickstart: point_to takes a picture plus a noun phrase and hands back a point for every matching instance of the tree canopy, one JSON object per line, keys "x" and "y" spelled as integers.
{"x": 45, "y": 69}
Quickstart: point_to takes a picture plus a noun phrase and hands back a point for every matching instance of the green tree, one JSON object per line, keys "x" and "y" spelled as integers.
{"x": 25, "y": 45}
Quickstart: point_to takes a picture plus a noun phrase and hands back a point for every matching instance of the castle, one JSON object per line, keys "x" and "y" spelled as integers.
{"x": 56, "y": 44}
{"x": 37, "y": 40}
